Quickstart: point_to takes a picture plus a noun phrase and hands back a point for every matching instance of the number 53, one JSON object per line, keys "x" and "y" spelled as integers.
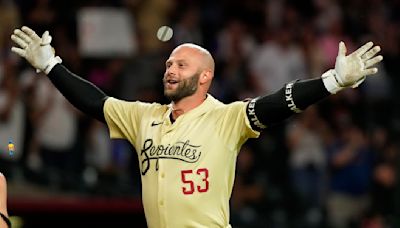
{"x": 190, "y": 188}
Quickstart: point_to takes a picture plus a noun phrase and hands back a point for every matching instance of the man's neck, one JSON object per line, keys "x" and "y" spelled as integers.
{"x": 186, "y": 104}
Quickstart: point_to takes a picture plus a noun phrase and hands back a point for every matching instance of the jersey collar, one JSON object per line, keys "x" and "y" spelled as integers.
{"x": 209, "y": 103}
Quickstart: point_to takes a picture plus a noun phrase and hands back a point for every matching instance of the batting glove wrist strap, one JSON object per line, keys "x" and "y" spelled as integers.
{"x": 51, "y": 63}
{"x": 330, "y": 81}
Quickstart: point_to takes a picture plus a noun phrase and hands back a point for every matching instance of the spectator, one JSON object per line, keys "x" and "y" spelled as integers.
{"x": 248, "y": 194}
{"x": 384, "y": 178}
{"x": 56, "y": 127}
{"x": 235, "y": 44}
{"x": 277, "y": 61}
{"x": 9, "y": 19}
{"x": 307, "y": 165}
{"x": 188, "y": 27}
{"x": 12, "y": 120}
{"x": 350, "y": 168}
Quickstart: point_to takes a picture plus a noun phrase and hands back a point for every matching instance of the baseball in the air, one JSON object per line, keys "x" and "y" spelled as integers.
{"x": 164, "y": 33}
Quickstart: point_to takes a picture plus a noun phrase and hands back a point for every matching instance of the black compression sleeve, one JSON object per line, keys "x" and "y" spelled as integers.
{"x": 276, "y": 107}
{"x": 81, "y": 93}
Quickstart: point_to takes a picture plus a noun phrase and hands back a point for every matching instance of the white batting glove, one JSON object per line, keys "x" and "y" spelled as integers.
{"x": 37, "y": 51}
{"x": 351, "y": 70}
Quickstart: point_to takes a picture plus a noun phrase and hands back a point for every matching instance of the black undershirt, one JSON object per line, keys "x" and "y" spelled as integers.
{"x": 268, "y": 110}
{"x": 81, "y": 93}
{"x": 276, "y": 107}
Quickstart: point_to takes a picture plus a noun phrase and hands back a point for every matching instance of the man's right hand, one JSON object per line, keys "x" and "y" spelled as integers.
{"x": 36, "y": 50}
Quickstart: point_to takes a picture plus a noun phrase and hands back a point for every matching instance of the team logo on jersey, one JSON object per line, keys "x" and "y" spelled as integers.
{"x": 183, "y": 151}
{"x": 156, "y": 123}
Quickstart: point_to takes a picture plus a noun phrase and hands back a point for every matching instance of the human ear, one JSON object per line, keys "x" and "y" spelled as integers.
{"x": 204, "y": 77}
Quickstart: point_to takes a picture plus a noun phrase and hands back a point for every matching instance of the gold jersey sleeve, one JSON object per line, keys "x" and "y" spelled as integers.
{"x": 121, "y": 117}
{"x": 235, "y": 127}
{"x": 124, "y": 117}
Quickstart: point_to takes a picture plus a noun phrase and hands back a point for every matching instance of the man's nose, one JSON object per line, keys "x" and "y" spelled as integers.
{"x": 171, "y": 70}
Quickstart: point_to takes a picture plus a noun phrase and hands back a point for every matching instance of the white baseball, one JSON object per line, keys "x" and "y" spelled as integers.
{"x": 164, "y": 33}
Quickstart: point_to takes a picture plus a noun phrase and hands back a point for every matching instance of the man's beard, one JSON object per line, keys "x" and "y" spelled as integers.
{"x": 185, "y": 88}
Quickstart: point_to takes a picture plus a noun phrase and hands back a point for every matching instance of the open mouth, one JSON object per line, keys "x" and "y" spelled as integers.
{"x": 172, "y": 81}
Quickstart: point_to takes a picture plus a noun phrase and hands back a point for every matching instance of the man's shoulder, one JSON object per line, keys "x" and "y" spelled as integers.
{"x": 136, "y": 104}
{"x": 150, "y": 106}
{"x": 224, "y": 107}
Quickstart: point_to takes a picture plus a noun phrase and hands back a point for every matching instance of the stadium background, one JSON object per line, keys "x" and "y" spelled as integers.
{"x": 339, "y": 155}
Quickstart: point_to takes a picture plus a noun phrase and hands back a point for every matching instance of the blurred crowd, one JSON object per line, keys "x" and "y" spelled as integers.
{"x": 334, "y": 165}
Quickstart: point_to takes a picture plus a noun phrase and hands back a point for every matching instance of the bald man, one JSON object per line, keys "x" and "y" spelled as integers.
{"x": 187, "y": 149}
{"x": 188, "y": 75}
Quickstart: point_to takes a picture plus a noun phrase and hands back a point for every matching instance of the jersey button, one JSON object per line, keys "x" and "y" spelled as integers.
{"x": 161, "y": 203}
{"x": 162, "y": 175}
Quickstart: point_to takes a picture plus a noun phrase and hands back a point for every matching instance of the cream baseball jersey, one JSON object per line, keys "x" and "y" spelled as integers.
{"x": 187, "y": 167}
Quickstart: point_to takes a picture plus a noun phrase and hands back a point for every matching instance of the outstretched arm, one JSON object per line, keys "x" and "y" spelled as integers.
{"x": 293, "y": 98}
{"x": 350, "y": 71}
{"x": 38, "y": 52}
{"x": 90, "y": 99}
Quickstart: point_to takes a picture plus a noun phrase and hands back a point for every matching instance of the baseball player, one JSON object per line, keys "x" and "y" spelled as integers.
{"x": 187, "y": 150}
